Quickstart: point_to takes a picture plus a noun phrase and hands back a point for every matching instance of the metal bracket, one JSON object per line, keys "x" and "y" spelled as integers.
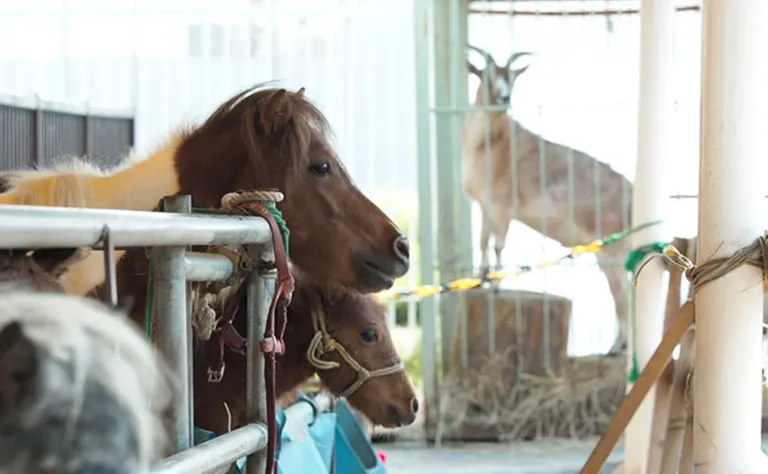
{"x": 110, "y": 270}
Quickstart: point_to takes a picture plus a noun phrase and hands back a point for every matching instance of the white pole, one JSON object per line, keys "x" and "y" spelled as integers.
{"x": 649, "y": 201}
{"x": 729, "y": 314}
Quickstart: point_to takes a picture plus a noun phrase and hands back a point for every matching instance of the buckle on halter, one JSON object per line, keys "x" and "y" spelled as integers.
{"x": 216, "y": 375}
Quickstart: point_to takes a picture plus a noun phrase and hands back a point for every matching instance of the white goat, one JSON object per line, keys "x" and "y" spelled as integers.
{"x": 81, "y": 391}
{"x": 593, "y": 183}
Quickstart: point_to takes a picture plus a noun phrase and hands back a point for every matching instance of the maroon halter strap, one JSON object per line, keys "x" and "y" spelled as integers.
{"x": 270, "y": 345}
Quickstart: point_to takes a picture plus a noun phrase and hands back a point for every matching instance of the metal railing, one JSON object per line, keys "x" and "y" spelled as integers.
{"x": 35, "y": 133}
{"x": 168, "y": 234}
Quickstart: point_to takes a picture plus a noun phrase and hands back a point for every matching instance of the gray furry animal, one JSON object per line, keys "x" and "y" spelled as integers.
{"x": 81, "y": 391}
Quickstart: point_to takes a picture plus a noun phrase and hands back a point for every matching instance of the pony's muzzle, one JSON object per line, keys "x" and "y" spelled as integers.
{"x": 379, "y": 270}
{"x": 404, "y": 417}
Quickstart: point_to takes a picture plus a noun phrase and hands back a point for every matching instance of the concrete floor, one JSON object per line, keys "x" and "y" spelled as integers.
{"x": 537, "y": 457}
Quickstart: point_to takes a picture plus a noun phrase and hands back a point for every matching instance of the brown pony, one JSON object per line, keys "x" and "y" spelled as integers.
{"x": 261, "y": 138}
{"x": 356, "y": 322}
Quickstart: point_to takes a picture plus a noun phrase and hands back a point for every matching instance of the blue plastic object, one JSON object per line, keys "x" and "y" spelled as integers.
{"x": 334, "y": 442}
{"x": 307, "y": 449}
{"x": 354, "y": 452}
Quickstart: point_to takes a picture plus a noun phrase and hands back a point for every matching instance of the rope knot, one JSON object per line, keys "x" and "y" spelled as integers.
{"x": 205, "y": 317}
{"x": 317, "y": 348}
{"x": 232, "y": 200}
{"x": 754, "y": 254}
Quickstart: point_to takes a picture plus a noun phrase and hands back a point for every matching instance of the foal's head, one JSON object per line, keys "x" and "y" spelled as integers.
{"x": 355, "y": 325}
{"x": 352, "y": 351}
{"x": 80, "y": 390}
{"x": 265, "y": 138}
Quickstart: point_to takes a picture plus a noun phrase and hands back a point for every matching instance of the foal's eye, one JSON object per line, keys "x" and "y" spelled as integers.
{"x": 320, "y": 169}
{"x": 369, "y": 336}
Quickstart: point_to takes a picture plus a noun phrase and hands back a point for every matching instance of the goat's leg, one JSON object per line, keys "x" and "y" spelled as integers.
{"x": 485, "y": 238}
{"x": 500, "y": 230}
{"x": 611, "y": 264}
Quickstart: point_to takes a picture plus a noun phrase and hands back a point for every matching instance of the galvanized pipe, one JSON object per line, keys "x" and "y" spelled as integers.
{"x": 216, "y": 454}
{"x": 261, "y": 287}
{"x": 173, "y": 327}
{"x": 207, "y": 267}
{"x": 55, "y": 227}
{"x": 304, "y": 413}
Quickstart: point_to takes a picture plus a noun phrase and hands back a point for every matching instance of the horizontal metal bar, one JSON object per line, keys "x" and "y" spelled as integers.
{"x": 216, "y": 453}
{"x": 207, "y": 267}
{"x": 34, "y": 102}
{"x": 469, "y": 108}
{"x": 304, "y": 412}
{"x": 688, "y": 196}
{"x": 51, "y": 227}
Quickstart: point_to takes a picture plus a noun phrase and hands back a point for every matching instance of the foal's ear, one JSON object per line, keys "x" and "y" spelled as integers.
{"x": 276, "y": 112}
{"x": 19, "y": 367}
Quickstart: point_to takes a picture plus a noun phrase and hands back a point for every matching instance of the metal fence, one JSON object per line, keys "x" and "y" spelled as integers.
{"x": 35, "y": 133}
{"x": 169, "y": 234}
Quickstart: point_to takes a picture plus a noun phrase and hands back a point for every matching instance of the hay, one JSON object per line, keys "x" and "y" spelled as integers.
{"x": 578, "y": 404}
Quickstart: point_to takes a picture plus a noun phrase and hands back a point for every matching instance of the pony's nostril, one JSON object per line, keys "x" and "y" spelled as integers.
{"x": 415, "y": 405}
{"x": 403, "y": 247}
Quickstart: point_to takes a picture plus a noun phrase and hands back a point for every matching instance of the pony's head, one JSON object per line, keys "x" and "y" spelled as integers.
{"x": 339, "y": 335}
{"x": 266, "y": 138}
{"x": 80, "y": 389}
{"x": 353, "y": 353}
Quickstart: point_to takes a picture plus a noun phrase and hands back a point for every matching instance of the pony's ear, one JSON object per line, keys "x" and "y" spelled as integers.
{"x": 19, "y": 367}
{"x": 276, "y": 112}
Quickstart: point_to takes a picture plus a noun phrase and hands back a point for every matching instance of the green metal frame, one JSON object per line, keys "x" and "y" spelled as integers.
{"x": 441, "y": 28}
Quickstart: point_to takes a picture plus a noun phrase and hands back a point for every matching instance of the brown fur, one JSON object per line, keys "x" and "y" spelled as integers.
{"x": 553, "y": 208}
{"x": 348, "y": 314}
{"x": 262, "y": 138}
{"x": 270, "y": 139}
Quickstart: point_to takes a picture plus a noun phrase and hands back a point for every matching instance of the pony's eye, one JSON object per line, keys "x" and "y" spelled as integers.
{"x": 369, "y": 336}
{"x": 320, "y": 169}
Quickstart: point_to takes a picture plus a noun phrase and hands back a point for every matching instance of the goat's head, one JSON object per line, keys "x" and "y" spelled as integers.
{"x": 498, "y": 80}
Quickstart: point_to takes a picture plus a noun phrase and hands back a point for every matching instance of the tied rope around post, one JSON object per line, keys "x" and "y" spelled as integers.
{"x": 754, "y": 254}
{"x": 263, "y": 203}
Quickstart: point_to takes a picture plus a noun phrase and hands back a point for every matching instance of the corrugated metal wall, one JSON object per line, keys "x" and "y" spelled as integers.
{"x": 36, "y": 133}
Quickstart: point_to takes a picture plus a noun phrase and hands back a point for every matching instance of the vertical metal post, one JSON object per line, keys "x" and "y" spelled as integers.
{"x": 450, "y": 199}
{"x": 173, "y": 327}
{"x": 427, "y": 307}
{"x": 261, "y": 288}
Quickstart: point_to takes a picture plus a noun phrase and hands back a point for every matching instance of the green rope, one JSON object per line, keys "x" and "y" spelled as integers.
{"x": 630, "y": 264}
{"x": 149, "y": 308}
{"x": 272, "y": 208}
{"x": 613, "y": 238}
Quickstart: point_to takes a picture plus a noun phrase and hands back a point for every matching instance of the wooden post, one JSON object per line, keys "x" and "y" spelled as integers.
{"x": 649, "y": 202}
{"x": 661, "y": 412}
{"x": 648, "y": 377}
{"x": 677, "y": 448}
{"x": 734, "y": 111}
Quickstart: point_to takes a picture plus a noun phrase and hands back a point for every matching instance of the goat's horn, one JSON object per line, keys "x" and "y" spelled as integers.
{"x": 485, "y": 54}
{"x": 515, "y": 56}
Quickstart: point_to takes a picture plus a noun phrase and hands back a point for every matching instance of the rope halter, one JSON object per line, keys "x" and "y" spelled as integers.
{"x": 323, "y": 343}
